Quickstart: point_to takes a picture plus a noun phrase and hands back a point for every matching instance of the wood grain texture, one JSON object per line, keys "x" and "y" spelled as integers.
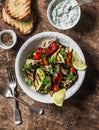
{"x": 81, "y": 112}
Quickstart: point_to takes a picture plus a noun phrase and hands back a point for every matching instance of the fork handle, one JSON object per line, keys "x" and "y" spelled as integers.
{"x": 17, "y": 117}
{"x": 36, "y": 109}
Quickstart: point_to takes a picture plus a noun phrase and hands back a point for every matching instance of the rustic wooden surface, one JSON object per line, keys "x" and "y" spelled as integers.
{"x": 81, "y": 112}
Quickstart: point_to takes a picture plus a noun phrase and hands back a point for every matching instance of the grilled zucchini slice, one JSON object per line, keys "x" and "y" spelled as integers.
{"x": 39, "y": 76}
{"x": 54, "y": 56}
{"x": 60, "y": 58}
{"x": 31, "y": 61}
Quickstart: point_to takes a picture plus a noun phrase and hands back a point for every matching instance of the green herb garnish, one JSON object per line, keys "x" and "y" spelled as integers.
{"x": 30, "y": 67}
{"x": 40, "y": 66}
{"x": 25, "y": 66}
{"x": 63, "y": 53}
{"x": 71, "y": 77}
{"x": 46, "y": 80}
{"x": 29, "y": 82}
{"x": 57, "y": 69}
{"x": 67, "y": 66}
{"x": 49, "y": 60}
{"x": 54, "y": 73}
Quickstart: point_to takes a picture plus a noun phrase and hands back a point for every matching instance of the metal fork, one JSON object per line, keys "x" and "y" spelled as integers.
{"x": 7, "y": 93}
{"x": 83, "y": 2}
{"x": 12, "y": 85}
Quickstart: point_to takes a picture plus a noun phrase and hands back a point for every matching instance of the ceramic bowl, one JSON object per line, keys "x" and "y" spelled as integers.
{"x": 14, "y": 39}
{"x": 35, "y": 42}
{"x": 64, "y": 20}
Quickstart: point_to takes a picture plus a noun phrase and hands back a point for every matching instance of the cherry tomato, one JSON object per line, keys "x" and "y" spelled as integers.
{"x": 56, "y": 88}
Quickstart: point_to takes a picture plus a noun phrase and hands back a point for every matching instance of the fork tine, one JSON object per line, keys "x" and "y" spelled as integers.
{"x": 6, "y": 92}
{"x": 11, "y": 75}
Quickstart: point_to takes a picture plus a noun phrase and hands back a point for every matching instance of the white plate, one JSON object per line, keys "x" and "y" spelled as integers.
{"x": 34, "y": 42}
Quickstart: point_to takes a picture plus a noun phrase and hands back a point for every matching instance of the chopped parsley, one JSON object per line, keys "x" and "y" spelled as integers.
{"x": 46, "y": 80}
{"x": 51, "y": 70}
{"x": 29, "y": 82}
{"x": 63, "y": 53}
{"x": 30, "y": 67}
{"x": 71, "y": 77}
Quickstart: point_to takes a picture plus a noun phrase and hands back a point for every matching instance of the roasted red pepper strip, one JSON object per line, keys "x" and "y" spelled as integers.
{"x": 58, "y": 77}
{"x": 37, "y": 56}
{"x": 73, "y": 70}
{"x": 41, "y": 51}
{"x": 52, "y": 48}
{"x": 56, "y": 80}
{"x": 56, "y": 88}
{"x": 69, "y": 54}
{"x": 69, "y": 62}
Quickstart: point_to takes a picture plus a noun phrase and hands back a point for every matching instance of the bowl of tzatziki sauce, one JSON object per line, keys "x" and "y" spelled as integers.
{"x": 60, "y": 15}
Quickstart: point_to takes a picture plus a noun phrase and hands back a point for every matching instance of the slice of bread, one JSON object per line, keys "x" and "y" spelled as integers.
{"x": 18, "y": 9}
{"x": 25, "y": 27}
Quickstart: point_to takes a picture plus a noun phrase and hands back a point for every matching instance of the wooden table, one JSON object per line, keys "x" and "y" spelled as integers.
{"x": 81, "y": 112}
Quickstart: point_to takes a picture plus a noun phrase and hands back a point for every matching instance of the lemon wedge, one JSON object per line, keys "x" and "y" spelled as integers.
{"x": 58, "y": 97}
{"x": 78, "y": 63}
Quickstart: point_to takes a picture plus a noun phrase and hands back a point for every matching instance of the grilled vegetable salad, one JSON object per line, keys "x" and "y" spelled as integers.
{"x": 49, "y": 68}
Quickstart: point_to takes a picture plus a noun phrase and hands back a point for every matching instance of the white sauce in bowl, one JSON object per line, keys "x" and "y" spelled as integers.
{"x": 60, "y": 15}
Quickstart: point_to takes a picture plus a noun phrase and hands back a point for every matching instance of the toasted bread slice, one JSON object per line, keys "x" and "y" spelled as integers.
{"x": 25, "y": 27}
{"x": 18, "y": 9}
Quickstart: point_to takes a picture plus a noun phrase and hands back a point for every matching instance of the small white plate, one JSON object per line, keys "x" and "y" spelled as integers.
{"x": 34, "y": 42}
{"x": 14, "y": 37}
